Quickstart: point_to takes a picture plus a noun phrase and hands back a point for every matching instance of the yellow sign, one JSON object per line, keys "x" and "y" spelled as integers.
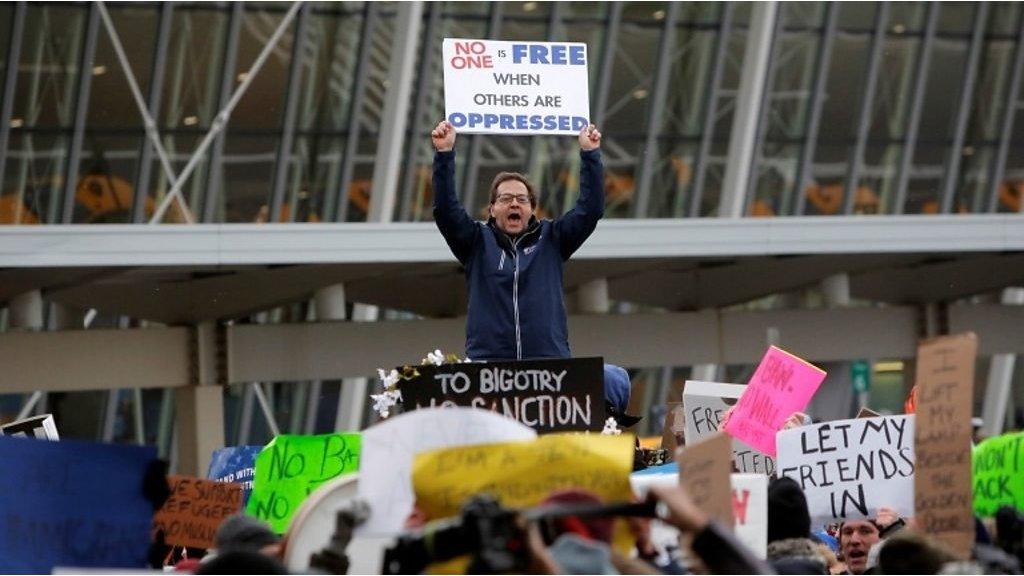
{"x": 523, "y": 473}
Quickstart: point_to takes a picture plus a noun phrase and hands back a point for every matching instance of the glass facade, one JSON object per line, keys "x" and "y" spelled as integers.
{"x": 873, "y": 108}
{"x": 869, "y": 108}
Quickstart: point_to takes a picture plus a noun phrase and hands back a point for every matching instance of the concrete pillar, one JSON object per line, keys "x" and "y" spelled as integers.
{"x": 592, "y": 297}
{"x": 835, "y": 399}
{"x": 1000, "y": 378}
{"x": 25, "y": 311}
{"x": 200, "y": 407}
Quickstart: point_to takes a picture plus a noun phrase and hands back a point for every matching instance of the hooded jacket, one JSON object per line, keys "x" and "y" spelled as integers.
{"x": 516, "y": 303}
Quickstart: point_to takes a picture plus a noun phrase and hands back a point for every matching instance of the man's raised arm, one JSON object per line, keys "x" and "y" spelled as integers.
{"x": 576, "y": 225}
{"x": 456, "y": 226}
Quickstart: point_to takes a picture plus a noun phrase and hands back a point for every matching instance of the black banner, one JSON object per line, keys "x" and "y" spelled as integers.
{"x": 547, "y": 395}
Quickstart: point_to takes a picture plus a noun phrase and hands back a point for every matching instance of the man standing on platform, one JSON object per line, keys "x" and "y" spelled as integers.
{"x": 513, "y": 262}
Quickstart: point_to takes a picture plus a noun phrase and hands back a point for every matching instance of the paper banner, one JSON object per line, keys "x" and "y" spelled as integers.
{"x": 388, "y": 449}
{"x": 235, "y": 464}
{"x": 999, "y": 474}
{"x": 73, "y": 503}
{"x": 704, "y": 470}
{"x": 705, "y": 405}
{"x": 523, "y": 473}
{"x": 851, "y": 468}
{"x": 195, "y": 509}
{"x": 498, "y": 87}
{"x": 292, "y": 466}
{"x": 781, "y": 385}
{"x": 945, "y": 398}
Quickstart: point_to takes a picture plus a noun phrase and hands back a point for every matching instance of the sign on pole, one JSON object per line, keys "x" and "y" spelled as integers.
{"x": 781, "y": 385}
{"x": 945, "y": 398}
{"x": 851, "y": 468}
{"x": 235, "y": 464}
{"x": 518, "y": 87}
{"x": 546, "y": 395}
{"x": 705, "y": 406}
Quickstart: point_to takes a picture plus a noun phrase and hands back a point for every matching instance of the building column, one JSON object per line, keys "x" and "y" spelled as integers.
{"x": 834, "y": 399}
{"x": 1000, "y": 378}
{"x": 200, "y": 407}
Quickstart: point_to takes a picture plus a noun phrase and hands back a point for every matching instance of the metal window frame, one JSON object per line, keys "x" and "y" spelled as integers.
{"x": 337, "y": 203}
{"x": 916, "y": 105}
{"x": 71, "y": 170}
{"x": 867, "y": 104}
{"x": 656, "y": 113}
{"x": 1010, "y": 111}
{"x": 711, "y": 109}
{"x": 604, "y": 78}
{"x": 215, "y": 158}
{"x": 816, "y": 105}
{"x": 17, "y": 31}
{"x": 156, "y": 86}
{"x": 764, "y": 113}
{"x": 955, "y": 157}
{"x": 282, "y": 161}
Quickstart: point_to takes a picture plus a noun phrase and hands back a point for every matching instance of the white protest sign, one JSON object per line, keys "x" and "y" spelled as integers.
{"x": 750, "y": 511}
{"x": 749, "y": 506}
{"x": 42, "y": 427}
{"x": 851, "y": 468}
{"x": 519, "y": 87}
{"x": 705, "y": 404}
{"x": 388, "y": 450}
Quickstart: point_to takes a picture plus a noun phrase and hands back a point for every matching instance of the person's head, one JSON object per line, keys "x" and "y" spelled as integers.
{"x": 513, "y": 201}
{"x": 856, "y": 537}
{"x": 244, "y": 532}
{"x": 788, "y": 516}
{"x": 910, "y": 553}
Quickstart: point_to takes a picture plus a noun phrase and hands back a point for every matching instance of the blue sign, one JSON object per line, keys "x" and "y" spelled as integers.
{"x": 74, "y": 504}
{"x": 235, "y": 464}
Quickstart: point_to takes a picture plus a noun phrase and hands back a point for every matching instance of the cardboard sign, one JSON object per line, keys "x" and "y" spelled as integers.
{"x": 388, "y": 449}
{"x": 945, "y": 394}
{"x": 750, "y": 511}
{"x": 235, "y": 464}
{"x": 73, "y": 503}
{"x": 195, "y": 509}
{"x": 41, "y": 427}
{"x": 998, "y": 472}
{"x": 781, "y": 385}
{"x": 851, "y": 468}
{"x": 704, "y": 469}
{"x": 706, "y": 404}
{"x": 523, "y": 473}
{"x": 497, "y": 87}
{"x": 867, "y": 413}
{"x": 292, "y": 466}
{"x": 546, "y": 395}
{"x": 673, "y": 434}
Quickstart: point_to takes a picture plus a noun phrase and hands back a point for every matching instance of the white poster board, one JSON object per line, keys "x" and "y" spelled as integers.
{"x": 705, "y": 404}
{"x": 851, "y": 468}
{"x": 750, "y": 511}
{"x": 518, "y": 87}
{"x": 749, "y": 508}
{"x": 42, "y": 427}
{"x": 388, "y": 449}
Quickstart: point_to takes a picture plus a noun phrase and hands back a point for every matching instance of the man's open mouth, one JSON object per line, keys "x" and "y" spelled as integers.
{"x": 857, "y": 554}
{"x": 515, "y": 217}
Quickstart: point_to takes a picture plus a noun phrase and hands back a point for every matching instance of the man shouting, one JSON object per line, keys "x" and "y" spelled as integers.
{"x": 513, "y": 262}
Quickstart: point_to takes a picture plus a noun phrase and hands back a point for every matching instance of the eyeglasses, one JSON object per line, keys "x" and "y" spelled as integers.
{"x": 517, "y": 198}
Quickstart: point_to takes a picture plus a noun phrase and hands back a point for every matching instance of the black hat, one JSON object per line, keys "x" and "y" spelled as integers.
{"x": 787, "y": 510}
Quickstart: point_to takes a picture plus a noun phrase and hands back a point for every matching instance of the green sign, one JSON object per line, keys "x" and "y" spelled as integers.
{"x": 292, "y": 466}
{"x": 860, "y": 376}
{"x": 998, "y": 478}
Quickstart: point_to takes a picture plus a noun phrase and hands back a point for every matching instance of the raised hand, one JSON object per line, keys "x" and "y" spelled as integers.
{"x": 590, "y": 138}
{"x": 443, "y": 136}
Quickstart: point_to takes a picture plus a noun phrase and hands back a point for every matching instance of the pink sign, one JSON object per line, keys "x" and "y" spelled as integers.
{"x": 781, "y": 385}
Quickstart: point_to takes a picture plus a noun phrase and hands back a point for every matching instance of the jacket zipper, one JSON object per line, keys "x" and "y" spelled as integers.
{"x": 515, "y": 293}
{"x": 501, "y": 263}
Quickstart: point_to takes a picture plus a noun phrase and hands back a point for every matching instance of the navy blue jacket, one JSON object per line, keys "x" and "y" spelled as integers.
{"x": 516, "y": 302}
